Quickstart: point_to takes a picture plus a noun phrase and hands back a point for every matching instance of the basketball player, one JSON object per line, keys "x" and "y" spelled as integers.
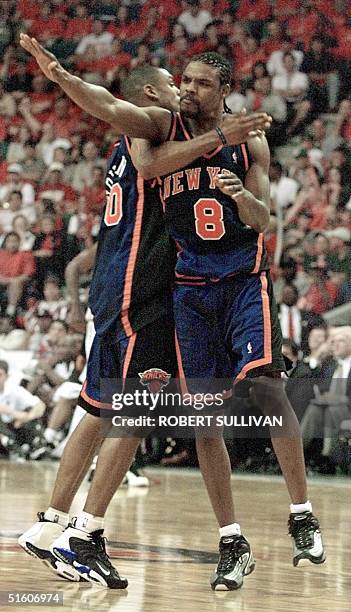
{"x": 132, "y": 314}
{"x": 217, "y": 208}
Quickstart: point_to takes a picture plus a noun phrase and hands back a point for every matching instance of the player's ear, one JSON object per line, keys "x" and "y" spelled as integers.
{"x": 150, "y": 92}
{"x": 226, "y": 90}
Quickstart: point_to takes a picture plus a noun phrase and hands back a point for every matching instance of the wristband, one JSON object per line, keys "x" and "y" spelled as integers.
{"x": 221, "y": 136}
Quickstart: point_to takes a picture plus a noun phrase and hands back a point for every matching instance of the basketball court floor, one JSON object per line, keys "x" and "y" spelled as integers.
{"x": 165, "y": 539}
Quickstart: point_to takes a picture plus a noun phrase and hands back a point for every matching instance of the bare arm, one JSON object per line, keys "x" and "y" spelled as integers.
{"x": 253, "y": 197}
{"x": 153, "y": 161}
{"x": 151, "y": 123}
{"x": 81, "y": 264}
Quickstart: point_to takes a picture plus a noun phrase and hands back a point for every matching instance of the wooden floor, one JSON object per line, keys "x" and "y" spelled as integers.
{"x": 164, "y": 540}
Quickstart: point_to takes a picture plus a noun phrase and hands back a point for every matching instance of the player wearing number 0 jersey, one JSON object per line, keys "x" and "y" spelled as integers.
{"x": 130, "y": 294}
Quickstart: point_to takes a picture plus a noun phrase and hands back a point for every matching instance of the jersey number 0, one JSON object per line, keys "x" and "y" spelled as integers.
{"x": 209, "y": 219}
{"x": 113, "y": 210}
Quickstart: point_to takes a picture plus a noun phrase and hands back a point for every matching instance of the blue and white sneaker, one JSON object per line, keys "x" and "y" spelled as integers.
{"x": 86, "y": 553}
{"x": 37, "y": 540}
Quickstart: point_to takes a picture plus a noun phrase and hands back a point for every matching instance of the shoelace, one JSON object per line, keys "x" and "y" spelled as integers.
{"x": 303, "y": 530}
{"x": 100, "y": 543}
{"x": 229, "y": 555}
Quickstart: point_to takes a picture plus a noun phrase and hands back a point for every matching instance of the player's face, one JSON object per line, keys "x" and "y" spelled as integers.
{"x": 201, "y": 93}
{"x": 168, "y": 92}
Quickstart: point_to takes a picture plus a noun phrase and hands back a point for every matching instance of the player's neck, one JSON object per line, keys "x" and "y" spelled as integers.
{"x": 202, "y": 125}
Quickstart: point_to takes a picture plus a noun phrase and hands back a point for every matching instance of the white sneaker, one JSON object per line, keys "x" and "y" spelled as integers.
{"x": 37, "y": 540}
{"x": 136, "y": 479}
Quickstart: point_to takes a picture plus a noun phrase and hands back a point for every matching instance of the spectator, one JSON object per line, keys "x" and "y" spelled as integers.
{"x": 62, "y": 119}
{"x": 247, "y": 55}
{"x": 16, "y": 149}
{"x": 16, "y": 269}
{"x": 331, "y": 405}
{"x": 11, "y": 209}
{"x": 94, "y": 194}
{"x": 290, "y": 315}
{"x": 306, "y": 372}
{"x": 53, "y": 307}
{"x": 275, "y": 63}
{"x": 54, "y": 188}
{"x": 33, "y": 168}
{"x": 194, "y": 19}
{"x": 7, "y": 103}
{"x": 47, "y": 26}
{"x": 83, "y": 171}
{"x": 262, "y": 99}
{"x": 20, "y": 81}
{"x": 20, "y": 412}
{"x": 16, "y": 183}
{"x": 283, "y": 188}
{"x": 80, "y": 25}
{"x": 236, "y": 101}
{"x": 339, "y": 257}
{"x": 20, "y": 226}
{"x": 292, "y": 87}
{"x": 321, "y": 69}
{"x": 48, "y": 250}
{"x": 100, "y": 38}
{"x": 322, "y": 293}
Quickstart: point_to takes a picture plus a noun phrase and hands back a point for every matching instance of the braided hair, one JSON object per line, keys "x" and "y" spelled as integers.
{"x": 223, "y": 66}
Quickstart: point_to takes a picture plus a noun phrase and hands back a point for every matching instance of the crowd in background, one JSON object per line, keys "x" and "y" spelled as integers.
{"x": 291, "y": 59}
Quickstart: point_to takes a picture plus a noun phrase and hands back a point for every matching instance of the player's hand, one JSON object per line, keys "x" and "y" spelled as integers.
{"x": 239, "y": 128}
{"x": 230, "y": 184}
{"x": 47, "y": 61}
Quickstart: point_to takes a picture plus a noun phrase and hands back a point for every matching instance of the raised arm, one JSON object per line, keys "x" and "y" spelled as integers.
{"x": 252, "y": 197}
{"x": 167, "y": 157}
{"x": 151, "y": 123}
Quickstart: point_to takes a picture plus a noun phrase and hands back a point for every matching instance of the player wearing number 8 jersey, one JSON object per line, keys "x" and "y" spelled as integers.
{"x": 217, "y": 208}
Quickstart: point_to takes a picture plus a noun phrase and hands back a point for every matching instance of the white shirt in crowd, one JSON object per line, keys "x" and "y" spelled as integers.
{"x": 275, "y": 65}
{"x": 343, "y": 368}
{"x": 284, "y": 191}
{"x": 283, "y": 82}
{"x": 195, "y": 25}
{"x": 290, "y": 315}
{"x": 101, "y": 42}
{"x": 17, "y": 398}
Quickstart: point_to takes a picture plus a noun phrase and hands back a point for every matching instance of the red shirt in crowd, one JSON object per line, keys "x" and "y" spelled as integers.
{"x": 253, "y": 10}
{"x": 16, "y": 264}
{"x": 78, "y": 27}
{"x": 94, "y": 199}
{"x": 321, "y": 298}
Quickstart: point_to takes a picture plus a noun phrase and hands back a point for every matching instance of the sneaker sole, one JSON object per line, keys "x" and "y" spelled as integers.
{"x": 227, "y": 585}
{"x": 305, "y": 558}
{"x": 99, "y": 580}
{"x": 54, "y": 565}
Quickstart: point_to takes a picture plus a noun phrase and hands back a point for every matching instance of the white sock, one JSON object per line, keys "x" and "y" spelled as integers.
{"x": 298, "y": 508}
{"x": 229, "y": 530}
{"x": 56, "y": 516}
{"x": 88, "y": 523}
{"x": 50, "y": 434}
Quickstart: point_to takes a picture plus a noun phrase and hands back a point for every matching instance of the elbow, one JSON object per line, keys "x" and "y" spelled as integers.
{"x": 263, "y": 222}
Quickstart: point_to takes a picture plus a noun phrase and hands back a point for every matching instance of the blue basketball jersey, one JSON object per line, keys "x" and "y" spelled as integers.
{"x": 135, "y": 258}
{"x": 213, "y": 242}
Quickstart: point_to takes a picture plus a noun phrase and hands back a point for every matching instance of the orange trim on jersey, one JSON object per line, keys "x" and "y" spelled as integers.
{"x": 128, "y": 145}
{"x": 182, "y": 379}
{"x": 245, "y": 156}
{"x": 188, "y": 137}
{"x": 172, "y": 130}
{"x": 132, "y": 258}
{"x": 190, "y": 277}
{"x": 128, "y": 356}
{"x": 267, "y": 333}
{"x": 258, "y": 254}
{"x": 162, "y": 200}
{"x": 91, "y": 401}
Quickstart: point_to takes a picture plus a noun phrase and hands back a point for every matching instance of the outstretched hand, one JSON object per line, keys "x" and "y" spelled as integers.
{"x": 239, "y": 128}
{"x": 47, "y": 61}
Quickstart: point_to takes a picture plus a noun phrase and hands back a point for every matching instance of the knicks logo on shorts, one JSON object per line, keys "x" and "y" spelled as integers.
{"x": 154, "y": 379}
